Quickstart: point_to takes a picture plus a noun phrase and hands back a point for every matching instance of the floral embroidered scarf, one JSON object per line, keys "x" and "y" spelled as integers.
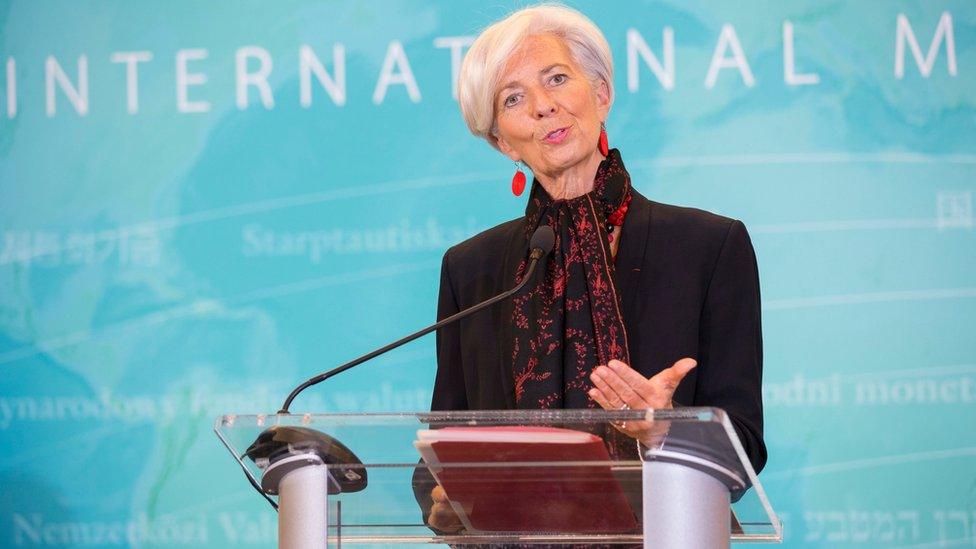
{"x": 570, "y": 321}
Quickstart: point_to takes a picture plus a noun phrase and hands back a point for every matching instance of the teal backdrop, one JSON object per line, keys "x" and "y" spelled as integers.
{"x": 202, "y": 203}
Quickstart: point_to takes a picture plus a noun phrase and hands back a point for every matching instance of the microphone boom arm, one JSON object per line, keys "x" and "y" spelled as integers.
{"x": 534, "y": 257}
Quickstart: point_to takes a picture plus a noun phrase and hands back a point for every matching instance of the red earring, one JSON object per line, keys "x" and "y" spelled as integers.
{"x": 604, "y": 147}
{"x": 518, "y": 180}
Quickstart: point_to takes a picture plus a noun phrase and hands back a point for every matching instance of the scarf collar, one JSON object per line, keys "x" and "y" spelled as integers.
{"x": 570, "y": 321}
{"x": 611, "y": 189}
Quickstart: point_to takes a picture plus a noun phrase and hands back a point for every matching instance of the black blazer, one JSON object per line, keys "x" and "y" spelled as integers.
{"x": 689, "y": 286}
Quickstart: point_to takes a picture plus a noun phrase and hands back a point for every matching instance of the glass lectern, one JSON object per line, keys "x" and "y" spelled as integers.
{"x": 505, "y": 477}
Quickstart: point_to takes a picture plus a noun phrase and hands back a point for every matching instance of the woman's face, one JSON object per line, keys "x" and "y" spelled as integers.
{"x": 548, "y": 114}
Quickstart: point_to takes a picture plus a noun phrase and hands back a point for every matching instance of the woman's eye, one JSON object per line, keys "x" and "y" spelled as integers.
{"x": 511, "y": 100}
{"x": 558, "y": 79}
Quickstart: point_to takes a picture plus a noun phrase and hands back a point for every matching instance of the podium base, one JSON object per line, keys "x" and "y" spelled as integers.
{"x": 684, "y": 506}
{"x": 302, "y": 483}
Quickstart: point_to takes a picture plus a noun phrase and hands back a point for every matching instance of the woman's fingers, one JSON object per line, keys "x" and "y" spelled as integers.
{"x": 640, "y": 384}
{"x": 617, "y": 390}
{"x": 438, "y": 494}
{"x": 442, "y": 515}
{"x": 600, "y": 398}
{"x": 630, "y": 428}
{"x": 619, "y": 384}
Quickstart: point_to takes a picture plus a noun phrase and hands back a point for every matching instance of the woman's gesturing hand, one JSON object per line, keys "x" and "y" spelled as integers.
{"x": 617, "y": 386}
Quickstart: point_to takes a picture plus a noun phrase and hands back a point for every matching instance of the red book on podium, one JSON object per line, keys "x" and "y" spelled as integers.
{"x": 527, "y": 479}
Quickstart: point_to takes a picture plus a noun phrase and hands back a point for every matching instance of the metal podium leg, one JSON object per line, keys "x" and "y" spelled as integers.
{"x": 302, "y": 502}
{"x": 684, "y": 508}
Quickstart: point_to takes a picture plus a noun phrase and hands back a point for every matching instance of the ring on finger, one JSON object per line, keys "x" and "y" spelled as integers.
{"x": 624, "y": 406}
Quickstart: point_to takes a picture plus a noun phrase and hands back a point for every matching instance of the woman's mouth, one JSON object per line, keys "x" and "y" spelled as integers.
{"x": 556, "y": 137}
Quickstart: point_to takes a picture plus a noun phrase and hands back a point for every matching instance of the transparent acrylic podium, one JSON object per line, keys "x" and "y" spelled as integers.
{"x": 359, "y": 478}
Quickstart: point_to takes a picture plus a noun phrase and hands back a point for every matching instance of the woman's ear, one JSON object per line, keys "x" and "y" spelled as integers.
{"x": 603, "y": 100}
{"x": 507, "y": 149}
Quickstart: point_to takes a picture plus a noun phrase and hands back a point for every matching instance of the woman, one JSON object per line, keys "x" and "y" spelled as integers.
{"x": 642, "y": 304}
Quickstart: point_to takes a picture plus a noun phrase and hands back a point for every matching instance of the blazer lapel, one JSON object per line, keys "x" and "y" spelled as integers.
{"x": 630, "y": 257}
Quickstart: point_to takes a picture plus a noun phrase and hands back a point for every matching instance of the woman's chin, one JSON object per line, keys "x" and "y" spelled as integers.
{"x": 565, "y": 158}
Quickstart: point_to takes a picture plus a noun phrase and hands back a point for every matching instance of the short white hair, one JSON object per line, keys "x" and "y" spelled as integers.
{"x": 488, "y": 55}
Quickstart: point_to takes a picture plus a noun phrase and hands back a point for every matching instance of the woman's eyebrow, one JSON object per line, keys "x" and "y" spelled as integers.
{"x": 553, "y": 66}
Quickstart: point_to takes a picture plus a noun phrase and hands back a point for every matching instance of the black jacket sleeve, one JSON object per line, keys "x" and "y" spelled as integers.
{"x": 449, "y": 389}
{"x": 730, "y": 346}
{"x": 449, "y": 392}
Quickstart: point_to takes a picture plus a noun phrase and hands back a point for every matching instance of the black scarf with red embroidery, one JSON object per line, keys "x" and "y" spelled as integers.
{"x": 570, "y": 322}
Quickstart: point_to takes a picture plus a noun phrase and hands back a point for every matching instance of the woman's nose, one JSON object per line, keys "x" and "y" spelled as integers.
{"x": 544, "y": 106}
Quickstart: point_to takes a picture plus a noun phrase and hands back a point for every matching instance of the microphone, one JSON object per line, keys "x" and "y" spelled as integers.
{"x": 543, "y": 239}
{"x": 540, "y": 245}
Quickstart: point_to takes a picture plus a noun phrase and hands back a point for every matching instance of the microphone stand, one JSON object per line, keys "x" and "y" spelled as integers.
{"x": 282, "y": 450}
{"x": 534, "y": 257}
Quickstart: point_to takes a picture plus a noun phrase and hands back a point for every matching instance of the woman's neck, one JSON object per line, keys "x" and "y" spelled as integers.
{"x": 573, "y": 181}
